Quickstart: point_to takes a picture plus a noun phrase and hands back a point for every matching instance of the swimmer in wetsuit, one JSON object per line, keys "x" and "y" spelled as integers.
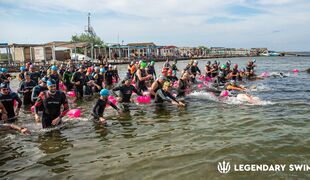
{"x": 100, "y": 106}
{"x": 51, "y": 101}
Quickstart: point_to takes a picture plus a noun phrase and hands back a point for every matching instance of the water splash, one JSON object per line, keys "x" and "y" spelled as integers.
{"x": 240, "y": 99}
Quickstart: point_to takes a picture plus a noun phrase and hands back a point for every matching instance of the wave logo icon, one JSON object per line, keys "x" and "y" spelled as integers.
{"x": 223, "y": 167}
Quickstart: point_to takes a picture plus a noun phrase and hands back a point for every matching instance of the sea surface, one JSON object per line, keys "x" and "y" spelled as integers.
{"x": 150, "y": 142}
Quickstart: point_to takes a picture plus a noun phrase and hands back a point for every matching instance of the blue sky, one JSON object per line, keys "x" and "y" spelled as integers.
{"x": 277, "y": 24}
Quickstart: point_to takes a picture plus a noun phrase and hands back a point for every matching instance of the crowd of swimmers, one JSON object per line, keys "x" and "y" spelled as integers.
{"x": 45, "y": 88}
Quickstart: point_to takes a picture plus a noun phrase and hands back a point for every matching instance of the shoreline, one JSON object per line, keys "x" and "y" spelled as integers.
{"x": 15, "y": 68}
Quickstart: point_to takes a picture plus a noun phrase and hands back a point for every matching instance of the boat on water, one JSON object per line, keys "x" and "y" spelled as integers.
{"x": 270, "y": 53}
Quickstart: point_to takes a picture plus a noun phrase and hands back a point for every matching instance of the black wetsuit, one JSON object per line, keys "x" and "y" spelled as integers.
{"x": 4, "y": 78}
{"x": 98, "y": 81}
{"x": 159, "y": 86}
{"x": 208, "y": 74}
{"x": 182, "y": 88}
{"x": 100, "y": 106}
{"x": 66, "y": 78}
{"x": 8, "y": 103}
{"x": 162, "y": 96}
{"x": 35, "y": 76}
{"x": 26, "y": 95}
{"x": 214, "y": 71}
{"x": 109, "y": 78}
{"x": 234, "y": 74}
{"x": 151, "y": 70}
{"x": 21, "y": 76}
{"x": 87, "y": 88}
{"x": 125, "y": 92}
{"x": 79, "y": 77}
{"x": 36, "y": 91}
{"x": 115, "y": 75}
{"x": 51, "y": 105}
{"x": 56, "y": 78}
{"x": 141, "y": 86}
{"x": 194, "y": 70}
{"x": 172, "y": 78}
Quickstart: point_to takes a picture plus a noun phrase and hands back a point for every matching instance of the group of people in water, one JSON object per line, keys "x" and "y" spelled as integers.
{"x": 46, "y": 88}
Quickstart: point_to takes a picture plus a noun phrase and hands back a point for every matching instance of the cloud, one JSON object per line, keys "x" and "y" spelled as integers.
{"x": 230, "y": 23}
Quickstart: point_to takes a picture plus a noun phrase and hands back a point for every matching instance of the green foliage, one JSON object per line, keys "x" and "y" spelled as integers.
{"x": 87, "y": 38}
{"x": 204, "y": 48}
{"x": 84, "y": 37}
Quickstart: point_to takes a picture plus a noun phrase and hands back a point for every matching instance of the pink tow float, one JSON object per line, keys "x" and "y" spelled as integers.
{"x": 62, "y": 86}
{"x": 74, "y": 113}
{"x": 200, "y": 86}
{"x": 201, "y": 77}
{"x": 144, "y": 99}
{"x": 265, "y": 74}
{"x": 112, "y": 99}
{"x": 295, "y": 70}
{"x": 224, "y": 93}
{"x": 71, "y": 94}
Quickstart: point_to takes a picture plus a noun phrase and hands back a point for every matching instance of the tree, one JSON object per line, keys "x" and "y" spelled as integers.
{"x": 204, "y": 48}
{"x": 84, "y": 37}
{"x": 87, "y": 38}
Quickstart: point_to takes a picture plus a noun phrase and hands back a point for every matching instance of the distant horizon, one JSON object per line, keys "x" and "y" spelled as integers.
{"x": 279, "y": 25}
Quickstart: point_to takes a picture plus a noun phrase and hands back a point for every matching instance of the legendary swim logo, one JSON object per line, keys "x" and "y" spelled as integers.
{"x": 223, "y": 167}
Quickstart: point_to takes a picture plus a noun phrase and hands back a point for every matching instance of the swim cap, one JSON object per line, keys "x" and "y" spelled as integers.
{"x": 54, "y": 68}
{"x": 51, "y": 82}
{"x": 97, "y": 68}
{"x": 4, "y": 85}
{"x": 22, "y": 68}
{"x": 89, "y": 70}
{"x": 44, "y": 79}
{"x": 236, "y": 66}
{"x": 224, "y": 66}
{"x": 167, "y": 84}
{"x": 143, "y": 65}
{"x": 152, "y": 62}
{"x": 104, "y": 92}
{"x": 31, "y": 66}
{"x": 195, "y": 62}
{"x": 102, "y": 70}
{"x": 4, "y": 70}
{"x": 221, "y": 74}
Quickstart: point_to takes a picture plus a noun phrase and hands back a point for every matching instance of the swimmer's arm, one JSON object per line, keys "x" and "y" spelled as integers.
{"x": 154, "y": 86}
{"x": 113, "y": 105}
{"x": 136, "y": 91}
{"x": 19, "y": 101}
{"x": 65, "y": 104}
{"x": 173, "y": 98}
{"x": 116, "y": 89}
{"x": 38, "y": 103}
{"x": 95, "y": 110}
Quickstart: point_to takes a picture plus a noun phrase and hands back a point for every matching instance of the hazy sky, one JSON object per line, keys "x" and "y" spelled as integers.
{"x": 276, "y": 24}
